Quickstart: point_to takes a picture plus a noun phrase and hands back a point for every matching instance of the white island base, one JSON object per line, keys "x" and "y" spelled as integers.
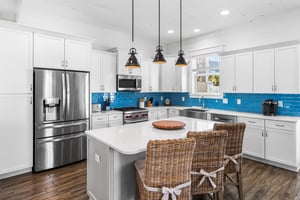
{"x": 113, "y": 151}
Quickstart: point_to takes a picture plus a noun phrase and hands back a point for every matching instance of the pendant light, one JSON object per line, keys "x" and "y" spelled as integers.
{"x": 159, "y": 57}
{"x": 181, "y": 61}
{"x": 132, "y": 60}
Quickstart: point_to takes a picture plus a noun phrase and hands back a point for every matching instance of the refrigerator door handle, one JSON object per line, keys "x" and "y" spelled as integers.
{"x": 68, "y": 92}
{"x": 70, "y": 137}
{"x": 63, "y": 79}
{"x": 61, "y": 125}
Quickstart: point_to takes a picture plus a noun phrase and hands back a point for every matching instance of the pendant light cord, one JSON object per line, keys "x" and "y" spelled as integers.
{"x": 180, "y": 25}
{"x": 132, "y": 24}
{"x": 159, "y": 22}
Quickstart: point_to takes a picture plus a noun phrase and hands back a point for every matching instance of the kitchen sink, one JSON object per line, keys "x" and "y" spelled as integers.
{"x": 194, "y": 113}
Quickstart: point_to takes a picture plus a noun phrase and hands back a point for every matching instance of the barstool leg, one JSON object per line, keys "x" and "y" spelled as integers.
{"x": 240, "y": 184}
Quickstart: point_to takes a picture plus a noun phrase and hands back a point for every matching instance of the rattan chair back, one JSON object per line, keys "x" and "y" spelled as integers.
{"x": 208, "y": 156}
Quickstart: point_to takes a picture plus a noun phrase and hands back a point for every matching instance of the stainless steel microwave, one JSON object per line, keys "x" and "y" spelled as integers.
{"x": 129, "y": 83}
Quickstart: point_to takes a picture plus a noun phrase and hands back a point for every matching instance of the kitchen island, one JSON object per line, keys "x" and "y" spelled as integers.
{"x": 113, "y": 151}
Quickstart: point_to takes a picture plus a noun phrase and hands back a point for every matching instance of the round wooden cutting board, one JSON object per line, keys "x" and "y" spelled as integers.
{"x": 168, "y": 124}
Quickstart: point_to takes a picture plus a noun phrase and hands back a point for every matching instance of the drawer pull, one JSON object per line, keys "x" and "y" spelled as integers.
{"x": 251, "y": 122}
{"x": 100, "y": 118}
{"x": 279, "y": 125}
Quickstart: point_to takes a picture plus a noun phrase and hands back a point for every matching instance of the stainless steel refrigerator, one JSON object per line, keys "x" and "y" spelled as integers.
{"x": 61, "y": 116}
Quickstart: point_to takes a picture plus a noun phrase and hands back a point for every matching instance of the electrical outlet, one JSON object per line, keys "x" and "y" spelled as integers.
{"x": 97, "y": 158}
{"x": 238, "y": 101}
{"x": 161, "y": 98}
{"x": 280, "y": 103}
{"x": 182, "y": 99}
{"x": 225, "y": 101}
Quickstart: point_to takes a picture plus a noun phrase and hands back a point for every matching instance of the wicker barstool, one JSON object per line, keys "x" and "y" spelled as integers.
{"x": 166, "y": 172}
{"x": 233, "y": 153}
{"x": 208, "y": 163}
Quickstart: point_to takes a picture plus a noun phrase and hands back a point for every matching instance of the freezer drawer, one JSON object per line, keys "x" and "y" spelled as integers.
{"x": 58, "y": 151}
{"x": 61, "y": 128}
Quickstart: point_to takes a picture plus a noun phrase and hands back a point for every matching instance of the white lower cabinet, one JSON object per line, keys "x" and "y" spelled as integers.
{"x": 157, "y": 113}
{"x": 16, "y": 135}
{"x": 103, "y": 120}
{"x": 173, "y": 112}
{"x": 162, "y": 114}
{"x": 254, "y": 137}
{"x": 272, "y": 141}
{"x": 281, "y": 142}
{"x": 152, "y": 115}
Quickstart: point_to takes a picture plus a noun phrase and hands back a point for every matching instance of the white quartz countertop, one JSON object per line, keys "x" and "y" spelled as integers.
{"x": 133, "y": 138}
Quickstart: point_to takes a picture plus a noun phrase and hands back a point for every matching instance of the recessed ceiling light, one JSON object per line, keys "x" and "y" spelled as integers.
{"x": 196, "y": 30}
{"x": 224, "y": 12}
{"x": 170, "y": 31}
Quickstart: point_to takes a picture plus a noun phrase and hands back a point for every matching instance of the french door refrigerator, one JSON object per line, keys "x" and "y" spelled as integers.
{"x": 61, "y": 116}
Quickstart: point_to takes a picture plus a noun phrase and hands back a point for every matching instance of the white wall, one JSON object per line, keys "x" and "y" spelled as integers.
{"x": 104, "y": 39}
{"x": 271, "y": 30}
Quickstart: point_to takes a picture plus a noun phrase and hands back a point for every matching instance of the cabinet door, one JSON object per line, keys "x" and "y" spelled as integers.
{"x": 16, "y": 61}
{"x": 173, "y": 113}
{"x": 48, "y": 51}
{"x": 263, "y": 71}
{"x": 16, "y": 135}
{"x": 95, "y": 77}
{"x": 162, "y": 114}
{"x": 227, "y": 74}
{"x": 281, "y": 146}
{"x": 145, "y": 75}
{"x": 167, "y": 76}
{"x": 154, "y": 78}
{"x": 287, "y": 69}
{"x": 181, "y": 74}
{"x": 77, "y": 55}
{"x": 108, "y": 72}
{"x": 152, "y": 115}
{"x": 243, "y": 72}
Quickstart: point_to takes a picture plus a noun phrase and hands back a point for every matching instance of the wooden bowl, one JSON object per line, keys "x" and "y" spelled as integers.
{"x": 168, "y": 124}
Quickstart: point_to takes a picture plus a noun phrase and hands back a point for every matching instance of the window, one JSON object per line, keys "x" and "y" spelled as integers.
{"x": 205, "y": 74}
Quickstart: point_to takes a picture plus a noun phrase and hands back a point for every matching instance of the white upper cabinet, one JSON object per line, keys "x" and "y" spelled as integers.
{"x": 103, "y": 73}
{"x": 236, "y": 73}
{"x": 122, "y": 57}
{"x": 167, "y": 76}
{"x": 263, "y": 71}
{"x": 16, "y": 61}
{"x": 276, "y": 70}
{"x": 60, "y": 53}
{"x": 227, "y": 83}
{"x": 287, "y": 69}
{"x": 244, "y": 72}
{"x": 150, "y": 76}
{"x": 49, "y": 51}
{"x": 77, "y": 55}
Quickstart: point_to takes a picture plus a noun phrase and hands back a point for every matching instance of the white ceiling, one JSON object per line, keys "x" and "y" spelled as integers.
{"x": 116, "y": 14}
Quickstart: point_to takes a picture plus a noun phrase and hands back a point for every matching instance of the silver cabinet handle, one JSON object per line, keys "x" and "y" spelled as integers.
{"x": 67, "y": 63}
{"x": 279, "y": 125}
{"x": 266, "y": 133}
{"x": 62, "y": 63}
{"x": 251, "y": 122}
{"x": 30, "y": 87}
{"x": 30, "y": 100}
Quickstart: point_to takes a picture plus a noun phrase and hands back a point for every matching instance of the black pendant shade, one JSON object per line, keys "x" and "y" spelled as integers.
{"x": 159, "y": 57}
{"x": 132, "y": 61}
{"x": 181, "y": 61}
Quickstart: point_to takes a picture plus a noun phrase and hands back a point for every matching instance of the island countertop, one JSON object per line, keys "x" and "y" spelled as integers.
{"x": 133, "y": 138}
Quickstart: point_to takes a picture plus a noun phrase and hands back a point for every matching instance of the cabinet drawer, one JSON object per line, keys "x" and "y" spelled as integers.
{"x": 152, "y": 113}
{"x": 173, "y": 112}
{"x": 251, "y": 121}
{"x": 162, "y": 112}
{"x": 115, "y": 117}
{"x": 100, "y": 118}
{"x": 289, "y": 126}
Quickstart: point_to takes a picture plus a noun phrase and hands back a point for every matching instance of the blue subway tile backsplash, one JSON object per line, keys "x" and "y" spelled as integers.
{"x": 249, "y": 102}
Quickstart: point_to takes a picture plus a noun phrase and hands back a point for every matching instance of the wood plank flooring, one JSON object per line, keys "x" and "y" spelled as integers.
{"x": 260, "y": 182}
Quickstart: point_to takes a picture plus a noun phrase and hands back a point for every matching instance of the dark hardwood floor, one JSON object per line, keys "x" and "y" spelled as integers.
{"x": 260, "y": 182}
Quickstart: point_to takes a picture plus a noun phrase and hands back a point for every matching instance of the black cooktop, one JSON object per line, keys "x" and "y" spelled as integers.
{"x": 129, "y": 109}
